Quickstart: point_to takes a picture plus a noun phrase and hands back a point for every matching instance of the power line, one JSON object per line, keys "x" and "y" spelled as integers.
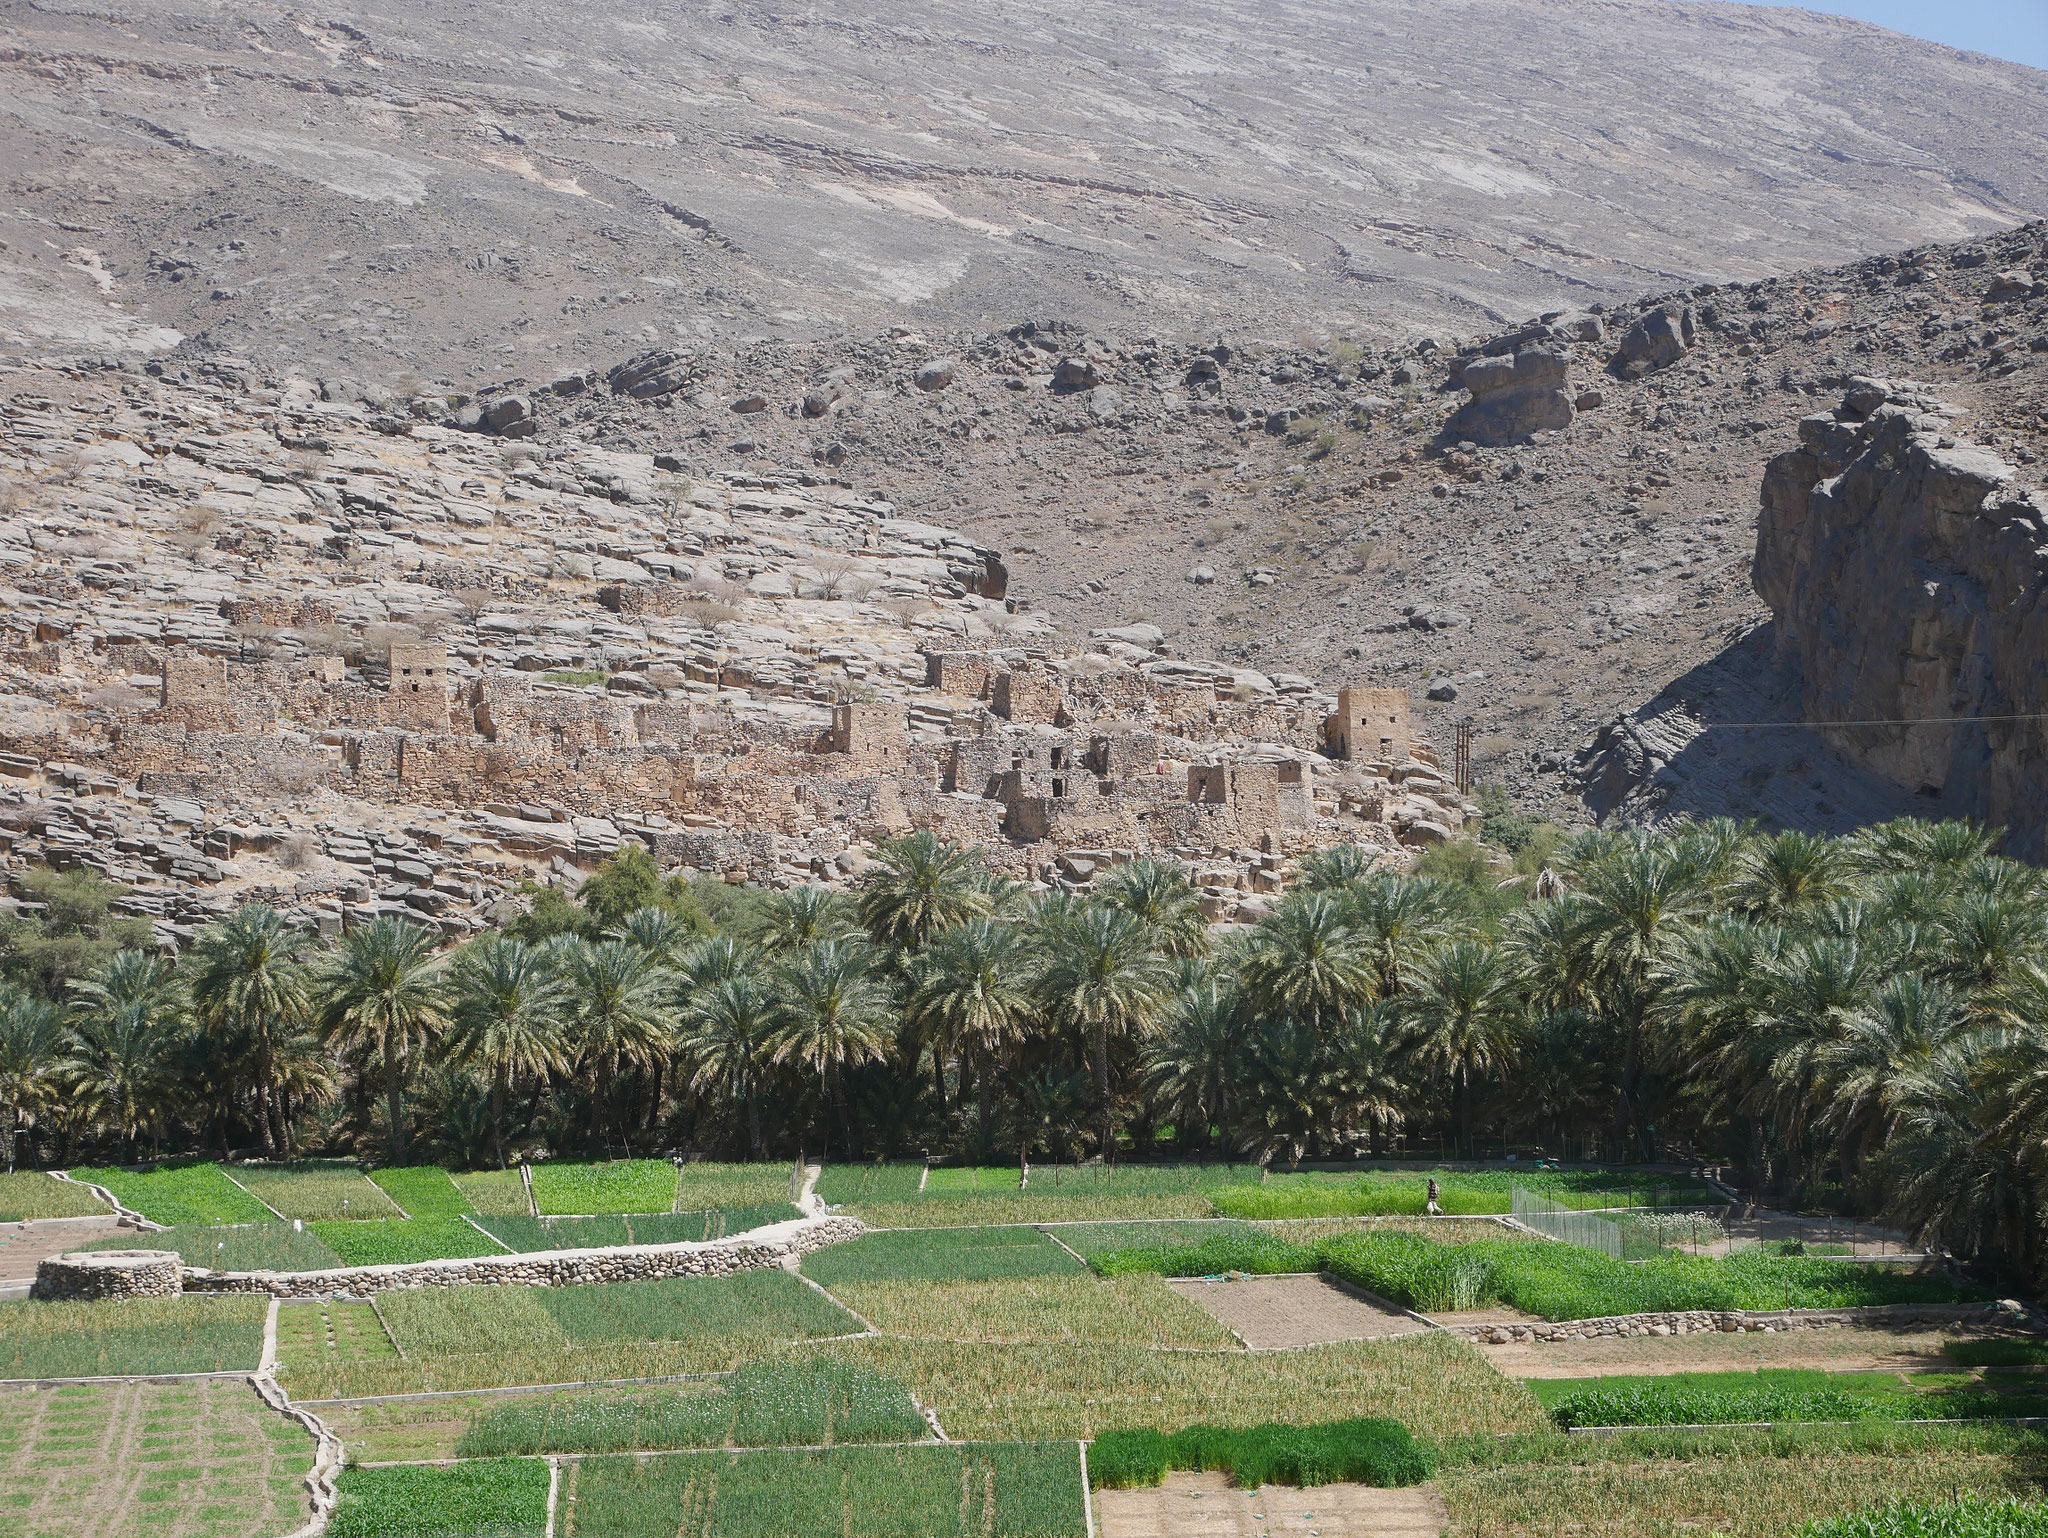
{"x": 1761, "y": 726}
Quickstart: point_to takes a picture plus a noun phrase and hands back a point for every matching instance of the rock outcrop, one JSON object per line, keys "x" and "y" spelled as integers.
{"x": 1527, "y": 392}
{"x": 1908, "y": 575}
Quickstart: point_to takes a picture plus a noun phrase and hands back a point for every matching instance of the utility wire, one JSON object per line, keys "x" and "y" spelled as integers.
{"x": 1764, "y": 726}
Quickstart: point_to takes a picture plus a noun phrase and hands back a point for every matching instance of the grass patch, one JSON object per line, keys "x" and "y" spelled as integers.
{"x": 1367, "y": 1452}
{"x": 876, "y": 1492}
{"x": 1131, "y": 1310}
{"x": 621, "y": 1186}
{"x": 271, "y": 1246}
{"x": 1433, "y": 1384}
{"x": 1998, "y": 1353}
{"x": 180, "y": 1195}
{"x": 491, "y": 1498}
{"x": 817, "y": 1401}
{"x": 26, "y": 1194}
{"x": 317, "y": 1188}
{"x": 527, "y": 1235}
{"x": 131, "y": 1335}
{"x": 424, "y": 1191}
{"x": 1952, "y": 1519}
{"x": 948, "y": 1255}
{"x": 397, "y": 1241}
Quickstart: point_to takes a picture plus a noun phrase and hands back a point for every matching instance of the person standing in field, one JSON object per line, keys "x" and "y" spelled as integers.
{"x": 1434, "y": 1193}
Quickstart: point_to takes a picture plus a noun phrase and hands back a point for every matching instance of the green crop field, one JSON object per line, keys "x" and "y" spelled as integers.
{"x": 1460, "y": 1192}
{"x": 954, "y": 1255}
{"x": 1744, "y": 1484}
{"x": 312, "y": 1335}
{"x": 394, "y": 1241}
{"x": 1130, "y": 1311}
{"x": 322, "y": 1188}
{"x": 181, "y": 1195}
{"x": 25, "y": 1195}
{"x": 205, "y": 1459}
{"x": 625, "y": 1185}
{"x": 1969, "y": 1517}
{"x": 423, "y": 1190}
{"x": 526, "y": 1235}
{"x": 880, "y": 1492}
{"x": 730, "y": 1185}
{"x": 271, "y": 1246}
{"x": 493, "y": 1193}
{"x": 490, "y": 1498}
{"x": 1786, "y": 1394}
{"x": 887, "y": 1195}
{"x": 194, "y": 1333}
{"x": 798, "y": 1401}
{"x": 1434, "y": 1385}
{"x": 479, "y": 1337}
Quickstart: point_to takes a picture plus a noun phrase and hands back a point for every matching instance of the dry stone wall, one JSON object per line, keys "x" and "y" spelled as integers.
{"x": 91, "y": 1274}
{"x": 1734, "y": 1322}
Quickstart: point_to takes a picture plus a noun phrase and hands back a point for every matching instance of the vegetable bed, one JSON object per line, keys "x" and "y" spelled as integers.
{"x": 940, "y": 1255}
{"x": 1776, "y": 1395}
{"x": 177, "y": 1195}
{"x": 1364, "y": 1451}
{"x": 131, "y": 1336}
{"x": 490, "y": 1498}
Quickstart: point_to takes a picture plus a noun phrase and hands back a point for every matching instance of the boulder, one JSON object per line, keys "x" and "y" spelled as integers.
{"x": 1514, "y": 396}
{"x": 1071, "y": 374}
{"x": 747, "y": 405}
{"x": 935, "y": 375}
{"x": 2014, "y": 283}
{"x": 1656, "y": 341}
{"x": 506, "y": 411}
{"x": 648, "y": 374}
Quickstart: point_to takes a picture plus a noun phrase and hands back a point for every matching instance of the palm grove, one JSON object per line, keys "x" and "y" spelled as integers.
{"x": 1858, "y": 1022}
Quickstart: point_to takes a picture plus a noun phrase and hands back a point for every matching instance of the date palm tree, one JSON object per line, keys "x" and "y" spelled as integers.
{"x": 250, "y": 986}
{"x": 1105, "y": 979}
{"x": 31, "y": 1049}
{"x": 621, "y": 1015}
{"x": 1163, "y": 896}
{"x": 383, "y": 995}
{"x": 1466, "y": 1018}
{"x": 923, "y": 884}
{"x": 833, "y": 1014}
{"x": 803, "y": 915}
{"x": 509, "y": 1018}
{"x": 1190, "y": 1065}
{"x": 723, "y": 1039}
{"x": 1309, "y": 961}
{"x": 123, "y": 1027}
{"x": 973, "y": 991}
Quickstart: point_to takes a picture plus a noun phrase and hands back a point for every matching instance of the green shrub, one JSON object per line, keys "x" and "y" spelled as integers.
{"x": 1369, "y": 1452}
{"x": 424, "y": 1191}
{"x": 1967, "y": 1518}
{"x": 490, "y": 1498}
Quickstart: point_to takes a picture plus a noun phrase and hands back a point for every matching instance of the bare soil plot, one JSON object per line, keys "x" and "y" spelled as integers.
{"x": 1835, "y": 1350}
{"x": 1207, "y": 1506}
{"x": 170, "y": 1460}
{"x": 23, "y": 1244}
{"x": 1273, "y": 1312}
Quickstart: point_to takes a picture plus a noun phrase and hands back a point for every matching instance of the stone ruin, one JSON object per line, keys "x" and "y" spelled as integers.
{"x": 422, "y": 668}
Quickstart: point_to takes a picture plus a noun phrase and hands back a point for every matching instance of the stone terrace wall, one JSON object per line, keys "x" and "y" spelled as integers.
{"x": 550, "y": 1268}
{"x": 1734, "y": 1321}
{"x": 87, "y": 1274}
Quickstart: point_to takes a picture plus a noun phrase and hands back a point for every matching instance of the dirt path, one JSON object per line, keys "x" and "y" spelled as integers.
{"x": 1206, "y": 1506}
{"x": 1276, "y": 1312}
{"x": 1834, "y": 1350}
{"x": 23, "y": 1244}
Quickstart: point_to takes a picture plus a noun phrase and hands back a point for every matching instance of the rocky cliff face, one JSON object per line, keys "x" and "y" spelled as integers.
{"x": 1908, "y": 576}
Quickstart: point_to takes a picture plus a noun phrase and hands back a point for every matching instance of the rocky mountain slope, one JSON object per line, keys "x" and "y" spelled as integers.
{"x": 381, "y": 188}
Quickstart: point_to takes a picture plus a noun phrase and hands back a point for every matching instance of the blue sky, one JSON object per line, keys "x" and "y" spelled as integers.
{"x": 2010, "y": 29}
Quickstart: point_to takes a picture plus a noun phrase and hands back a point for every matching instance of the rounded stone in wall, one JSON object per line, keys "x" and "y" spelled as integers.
{"x": 87, "y": 1274}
